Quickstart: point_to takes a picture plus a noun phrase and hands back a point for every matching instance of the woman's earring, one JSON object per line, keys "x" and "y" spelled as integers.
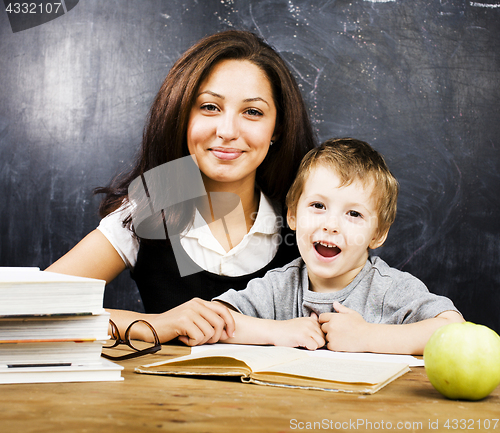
{"x": 272, "y": 142}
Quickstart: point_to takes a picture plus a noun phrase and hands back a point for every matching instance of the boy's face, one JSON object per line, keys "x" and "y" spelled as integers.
{"x": 335, "y": 226}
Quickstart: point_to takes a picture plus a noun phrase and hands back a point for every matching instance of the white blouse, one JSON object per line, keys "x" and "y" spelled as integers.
{"x": 256, "y": 249}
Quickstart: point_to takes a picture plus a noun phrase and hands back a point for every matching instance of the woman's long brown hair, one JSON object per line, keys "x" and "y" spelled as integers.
{"x": 165, "y": 133}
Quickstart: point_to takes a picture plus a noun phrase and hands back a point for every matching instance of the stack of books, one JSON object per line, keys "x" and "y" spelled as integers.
{"x": 52, "y": 328}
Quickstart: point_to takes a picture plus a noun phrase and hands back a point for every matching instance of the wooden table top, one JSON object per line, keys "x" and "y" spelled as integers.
{"x": 142, "y": 403}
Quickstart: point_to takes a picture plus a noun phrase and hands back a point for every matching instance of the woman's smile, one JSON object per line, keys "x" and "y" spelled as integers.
{"x": 226, "y": 153}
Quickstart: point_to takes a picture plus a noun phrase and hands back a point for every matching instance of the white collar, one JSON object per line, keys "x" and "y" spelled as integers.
{"x": 267, "y": 218}
{"x": 267, "y": 221}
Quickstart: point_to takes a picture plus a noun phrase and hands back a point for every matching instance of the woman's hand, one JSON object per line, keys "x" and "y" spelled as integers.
{"x": 195, "y": 322}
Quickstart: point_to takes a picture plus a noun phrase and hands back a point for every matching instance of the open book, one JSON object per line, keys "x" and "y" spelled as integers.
{"x": 283, "y": 366}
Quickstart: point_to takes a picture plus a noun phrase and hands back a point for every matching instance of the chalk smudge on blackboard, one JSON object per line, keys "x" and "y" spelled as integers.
{"x": 485, "y": 5}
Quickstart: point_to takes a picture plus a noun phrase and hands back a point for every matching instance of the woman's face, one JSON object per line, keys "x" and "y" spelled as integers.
{"x": 231, "y": 123}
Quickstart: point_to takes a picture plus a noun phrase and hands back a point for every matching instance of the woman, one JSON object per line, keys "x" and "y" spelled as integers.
{"x": 231, "y": 104}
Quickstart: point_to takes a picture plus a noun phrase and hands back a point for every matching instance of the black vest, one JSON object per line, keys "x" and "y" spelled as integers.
{"x": 162, "y": 288}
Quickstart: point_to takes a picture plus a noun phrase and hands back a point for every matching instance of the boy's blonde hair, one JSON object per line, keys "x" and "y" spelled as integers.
{"x": 352, "y": 160}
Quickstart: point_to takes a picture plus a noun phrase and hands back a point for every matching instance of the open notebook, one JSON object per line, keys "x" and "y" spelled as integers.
{"x": 282, "y": 366}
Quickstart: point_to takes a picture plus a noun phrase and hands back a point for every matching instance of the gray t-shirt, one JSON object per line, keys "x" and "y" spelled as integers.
{"x": 381, "y": 294}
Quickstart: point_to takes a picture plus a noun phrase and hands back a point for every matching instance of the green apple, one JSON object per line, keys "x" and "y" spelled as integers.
{"x": 462, "y": 360}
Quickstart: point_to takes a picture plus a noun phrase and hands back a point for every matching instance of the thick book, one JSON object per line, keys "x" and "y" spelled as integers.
{"x": 50, "y": 327}
{"x": 31, "y": 291}
{"x": 102, "y": 370}
{"x": 283, "y": 366}
{"x": 50, "y": 352}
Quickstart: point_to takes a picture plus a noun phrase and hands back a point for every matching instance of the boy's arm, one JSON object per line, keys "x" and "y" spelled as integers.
{"x": 347, "y": 331}
{"x": 301, "y": 332}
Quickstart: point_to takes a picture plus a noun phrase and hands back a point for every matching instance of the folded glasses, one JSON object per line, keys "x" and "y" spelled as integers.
{"x": 138, "y": 352}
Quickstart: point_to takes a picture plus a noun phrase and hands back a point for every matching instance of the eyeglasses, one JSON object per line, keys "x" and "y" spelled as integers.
{"x": 138, "y": 352}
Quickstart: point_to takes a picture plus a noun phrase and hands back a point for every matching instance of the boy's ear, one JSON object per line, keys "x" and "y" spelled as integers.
{"x": 378, "y": 240}
{"x": 290, "y": 218}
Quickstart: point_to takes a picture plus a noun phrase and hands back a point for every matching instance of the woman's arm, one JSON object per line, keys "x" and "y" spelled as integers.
{"x": 194, "y": 322}
{"x": 300, "y": 332}
{"x": 92, "y": 257}
{"x": 347, "y": 331}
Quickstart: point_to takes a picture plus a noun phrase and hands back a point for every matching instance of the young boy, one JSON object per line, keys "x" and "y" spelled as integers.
{"x": 341, "y": 205}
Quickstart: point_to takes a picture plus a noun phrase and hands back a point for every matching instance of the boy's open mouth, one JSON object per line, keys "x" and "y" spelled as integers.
{"x": 326, "y": 250}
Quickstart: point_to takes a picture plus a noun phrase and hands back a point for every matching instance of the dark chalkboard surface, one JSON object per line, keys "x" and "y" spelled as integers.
{"x": 418, "y": 79}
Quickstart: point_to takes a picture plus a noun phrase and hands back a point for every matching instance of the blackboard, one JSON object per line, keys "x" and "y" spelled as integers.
{"x": 418, "y": 79}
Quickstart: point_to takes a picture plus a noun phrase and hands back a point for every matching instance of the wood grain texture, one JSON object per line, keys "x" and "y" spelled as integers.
{"x": 157, "y": 403}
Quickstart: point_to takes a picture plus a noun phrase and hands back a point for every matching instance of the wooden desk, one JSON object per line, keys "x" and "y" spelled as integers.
{"x": 143, "y": 403}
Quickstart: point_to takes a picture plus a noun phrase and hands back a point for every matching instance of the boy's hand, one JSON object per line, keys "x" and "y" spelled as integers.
{"x": 346, "y": 330}
{"x": 300, "y": 332}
